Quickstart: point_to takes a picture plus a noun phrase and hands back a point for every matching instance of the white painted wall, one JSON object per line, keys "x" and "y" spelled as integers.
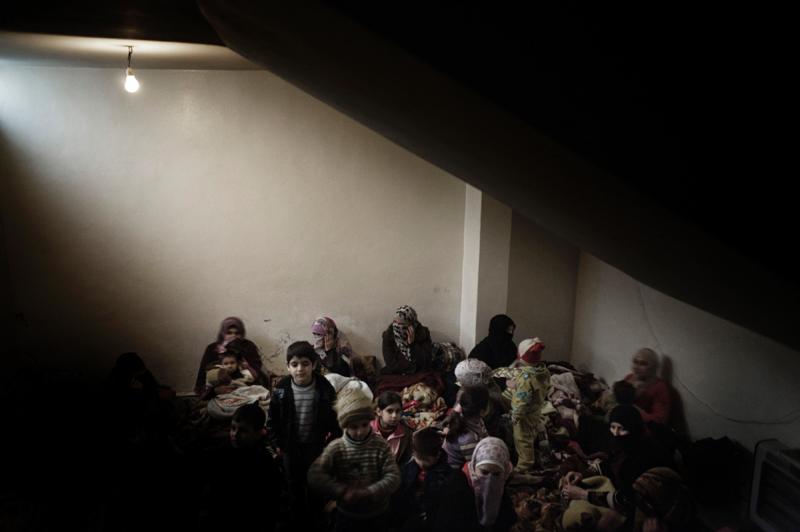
{"x": 495, "y": 252}
{"x": 542, "y": 274}
{"x": 470, "y": 274}
{"x": 732, "y": 382}
{"x": 137, "y": 222}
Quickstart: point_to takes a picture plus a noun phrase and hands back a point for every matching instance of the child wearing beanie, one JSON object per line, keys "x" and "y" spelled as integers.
{"x": 357, "y": 469}
{"x": 529, "y": 386}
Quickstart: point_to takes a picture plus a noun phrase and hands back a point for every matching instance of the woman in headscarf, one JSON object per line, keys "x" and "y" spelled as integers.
{"x": 652, "y": 393}
{"x": 231, "y": 331}
{"x": 498, "y": 349}
{"x": 407, "y": 346}
{"x": 632, "y": 453}
{"x": 332, "y": 346}
{"x": 476, "y": 496}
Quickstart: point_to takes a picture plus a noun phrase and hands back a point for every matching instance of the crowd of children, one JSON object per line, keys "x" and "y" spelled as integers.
{"x": 326, "y": 456}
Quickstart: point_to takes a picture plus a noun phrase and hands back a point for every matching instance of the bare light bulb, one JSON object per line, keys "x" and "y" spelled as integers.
{"x": 131, "y": 83}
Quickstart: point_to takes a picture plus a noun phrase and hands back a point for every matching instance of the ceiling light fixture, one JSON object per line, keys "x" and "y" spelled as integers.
{"x": 131, "y": 83}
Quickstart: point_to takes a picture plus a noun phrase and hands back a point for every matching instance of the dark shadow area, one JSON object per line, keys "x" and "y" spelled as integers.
{"x": 677, "y": 416}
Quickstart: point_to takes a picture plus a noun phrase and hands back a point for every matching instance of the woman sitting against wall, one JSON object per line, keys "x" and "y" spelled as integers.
{"x": 230, "y": 331}
{"x": 652, "y": 393}
{"x": 332, "y": 346}
{"x": 407, "y": 346}
{"x": 498, "y": 349}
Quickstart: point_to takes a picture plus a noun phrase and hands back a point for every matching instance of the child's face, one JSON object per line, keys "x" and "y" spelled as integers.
{"x": 243, "y": 436}
{"x": 425, "y": 462}
{"x": 489, "y": 470}
{"x": 301, "y": 370}
{"x": 390, "y": 416}
{"x": 230, "y": 364}
{"x": 359, "y": 430}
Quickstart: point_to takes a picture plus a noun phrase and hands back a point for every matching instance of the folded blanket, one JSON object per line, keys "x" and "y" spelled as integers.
{"x": 223, "y": 406}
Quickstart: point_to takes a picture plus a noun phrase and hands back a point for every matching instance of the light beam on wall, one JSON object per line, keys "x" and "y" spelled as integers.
{"x": 131, "y": 83}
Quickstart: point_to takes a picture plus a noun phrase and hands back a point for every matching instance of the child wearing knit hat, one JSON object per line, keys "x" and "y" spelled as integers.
{"x": 357, "y": 469}
{"x": 529, "y": 386}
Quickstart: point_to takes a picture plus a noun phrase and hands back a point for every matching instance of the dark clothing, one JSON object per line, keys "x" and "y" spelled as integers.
{"x": 416, "y": 503}
{"x": 249, "y": 353}
{"x": 498, "y": 349}
{"x": 243, "y": 490}
{"x": 334, "y": 363}
{"x": 297, "y": 457}
{"x": 348, "y": 523}
{"x": 421, "y": 352}
{"x": 458, "y": 512}
{"x": 282, "y": 419}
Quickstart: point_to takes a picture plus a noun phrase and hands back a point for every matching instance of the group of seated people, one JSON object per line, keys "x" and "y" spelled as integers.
{"x": 348, "y": 461}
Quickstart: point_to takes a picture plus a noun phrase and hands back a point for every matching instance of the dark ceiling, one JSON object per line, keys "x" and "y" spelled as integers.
{"x": 680, "y": 104}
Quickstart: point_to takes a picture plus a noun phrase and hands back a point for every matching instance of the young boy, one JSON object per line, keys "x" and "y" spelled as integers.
{"x": 529, "y": 384}
{"x": 415, "y": 504}
{"x": 358, "y": 469}
{"x": 301, "y": 421}
{"x": 246, "y": 474}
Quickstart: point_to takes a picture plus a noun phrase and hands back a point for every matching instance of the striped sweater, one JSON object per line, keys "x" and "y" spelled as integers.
{"x": 304, "y": 398}
{"x": 459, "y": 452}
{"x": 347, "y": 463}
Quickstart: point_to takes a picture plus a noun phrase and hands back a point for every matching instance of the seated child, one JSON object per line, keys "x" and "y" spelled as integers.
{"x": 415, "y": 504}
{"x": 466, "y": 428}
{"x": 358, "y": 469}
{"x": 257, "y": 492}
{"x": 390, "y": 426}
{"x": 474, "y": 372}
{"x": 229, "y": 371}
{"x": 301, "y": 421}
{"x": 529, "y": 386}
{"x": 477, "y": 499}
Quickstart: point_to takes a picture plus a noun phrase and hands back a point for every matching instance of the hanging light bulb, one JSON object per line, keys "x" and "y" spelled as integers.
{"x": 131, "y": 83}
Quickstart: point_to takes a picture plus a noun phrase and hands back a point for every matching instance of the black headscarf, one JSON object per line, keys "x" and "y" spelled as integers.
{"x": 498, "y": 349}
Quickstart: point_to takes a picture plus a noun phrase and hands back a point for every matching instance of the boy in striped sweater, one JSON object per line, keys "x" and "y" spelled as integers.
{"x": 358, "y": 469}
{"x": 301, "y": 422}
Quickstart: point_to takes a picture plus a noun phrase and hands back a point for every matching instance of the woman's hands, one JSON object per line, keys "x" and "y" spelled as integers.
{"x": 574, "y": 492}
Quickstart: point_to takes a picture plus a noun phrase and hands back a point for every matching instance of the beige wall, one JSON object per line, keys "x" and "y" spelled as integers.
{"x": 137, "y": 222}
{"x": 493, "y": 285}
{"x": 731, "y": 381}
{"x": 542, "y": 273}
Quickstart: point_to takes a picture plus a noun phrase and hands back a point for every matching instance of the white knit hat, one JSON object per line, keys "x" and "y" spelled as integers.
{"x": 352, "y": 405}
{"x": 473, "y": 372}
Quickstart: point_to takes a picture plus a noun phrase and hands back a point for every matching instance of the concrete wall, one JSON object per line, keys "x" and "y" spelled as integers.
{"x": 542, "y": 274}
{"x": 495, "y": 252}
{"x": 731, "y": 382}
{"x": 137, "y": 222}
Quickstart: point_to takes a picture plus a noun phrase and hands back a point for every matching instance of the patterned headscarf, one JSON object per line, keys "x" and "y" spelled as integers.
{"x": 324, "y": 331}
{"x": 327, "y": 336}
{"x": 489, "y": 488}
{"x": 405, "y": 317}
{"x": 473, "y": 372}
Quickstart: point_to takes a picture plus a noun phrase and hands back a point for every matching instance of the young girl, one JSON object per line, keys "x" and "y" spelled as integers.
{"x": 476, "y": 499}
{"x": 389, "y": 425}
{"x": 466, "y": 428}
